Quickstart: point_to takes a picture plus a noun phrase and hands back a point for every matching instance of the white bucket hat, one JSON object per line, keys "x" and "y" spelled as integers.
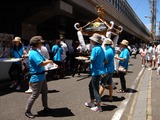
{"x": 96, "y": 38}
{"x": 124, "y": 42}
{"x": 17, "y": 39}
{"x": 107, "y": 41}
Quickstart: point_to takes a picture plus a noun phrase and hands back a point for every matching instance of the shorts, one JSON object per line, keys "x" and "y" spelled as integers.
{"x": 153, "y": 57}
{"x": 143, "y": 57}
{"x": 107, "y": 80}
{"x": 149, "y": 58}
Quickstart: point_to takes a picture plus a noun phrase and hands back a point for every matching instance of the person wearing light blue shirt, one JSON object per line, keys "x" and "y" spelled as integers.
{"x": 17, "y": 51}
{"x": 124, "y": 54}
{"x": 123, "y": 62}
{"x": 37, "y": 80}
{"x": 97, "y": 56}
{"x": 35, "y": 58}
{"x": 109, "y": 67}
{"x": 57, "y": 52}
{"x": 109, "y": 55}
{"x": 57, "y": 56}
{"x": 97, "y": 69}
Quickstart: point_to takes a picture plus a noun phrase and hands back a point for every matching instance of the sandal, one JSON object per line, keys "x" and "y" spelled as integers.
{"x": 120, "y": 91}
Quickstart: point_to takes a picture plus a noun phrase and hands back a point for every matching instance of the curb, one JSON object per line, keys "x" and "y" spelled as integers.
{"x": 118, "y": 114}
{"x": 142, "y": 101}
{"x": 130, "y": 117}
{"x": 149, "y": 99}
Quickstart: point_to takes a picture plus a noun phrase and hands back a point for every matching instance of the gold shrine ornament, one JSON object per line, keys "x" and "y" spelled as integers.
{"x": 96, "y": 24}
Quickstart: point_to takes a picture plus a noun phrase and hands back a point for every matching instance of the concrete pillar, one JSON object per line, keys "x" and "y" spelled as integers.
{"x": 28, "y": 30}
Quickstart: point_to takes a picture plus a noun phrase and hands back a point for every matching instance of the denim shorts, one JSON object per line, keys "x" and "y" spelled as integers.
{"x": 107, "y": 80}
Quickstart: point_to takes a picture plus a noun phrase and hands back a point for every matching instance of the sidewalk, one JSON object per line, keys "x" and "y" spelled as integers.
{"x": 142, "y": 106}
{"x": 147, "y": 104}
{"x": 155, "y": 81}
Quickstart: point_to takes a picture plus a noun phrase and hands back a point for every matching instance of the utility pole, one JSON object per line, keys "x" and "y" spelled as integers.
{"x": 153, "y": 20}
{"x": 159, "y": 29}
{"x": 159, "y": 32}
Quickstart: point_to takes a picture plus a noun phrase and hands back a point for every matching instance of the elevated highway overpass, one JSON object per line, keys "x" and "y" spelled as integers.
{"x": 49, "y": 18}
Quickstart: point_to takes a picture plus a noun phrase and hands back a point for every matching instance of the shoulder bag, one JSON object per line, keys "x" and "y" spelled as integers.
{"x": 122, "y": 69}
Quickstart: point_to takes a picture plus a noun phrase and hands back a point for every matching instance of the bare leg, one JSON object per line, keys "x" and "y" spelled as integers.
{"x": 154, "y": 62}
{"x": 101, "y": 90}
{"x": 151, "y": 63}
{"x": 144, "y": 61}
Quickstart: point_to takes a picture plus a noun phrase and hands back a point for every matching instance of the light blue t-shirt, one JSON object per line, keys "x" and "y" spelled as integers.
{"x": 124, "y": 54}
{"x": 57, "y": 56}
{"x": 109, "y": 55}
{"x": 35, "y": 58}
{"x": 97, "y": 58}
{"x": 17, "y": 53}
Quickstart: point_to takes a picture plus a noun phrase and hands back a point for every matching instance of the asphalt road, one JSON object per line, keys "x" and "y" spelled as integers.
{"x": 66, "y": 98}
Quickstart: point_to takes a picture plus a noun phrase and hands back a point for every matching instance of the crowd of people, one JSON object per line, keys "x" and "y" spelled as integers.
{"x": 21, "y": 50}
{"x": 37, "y": 55}
{"x": 150, "y": 55}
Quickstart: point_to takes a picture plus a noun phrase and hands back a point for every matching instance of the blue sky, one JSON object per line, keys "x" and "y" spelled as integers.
{"x": 142, "y": 8}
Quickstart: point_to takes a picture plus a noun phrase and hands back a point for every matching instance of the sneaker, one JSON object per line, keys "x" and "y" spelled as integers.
{"x": 149, "y": 69}
{"x": 96, "y": 109}
{"x": 89, "y": 104}
{"x": 18, "y": 87}
{"x": 29, "y": 115}
{"x": 13, "y": 84}
{"x": 29, "y": 91}
{"x": 142, "y": 65}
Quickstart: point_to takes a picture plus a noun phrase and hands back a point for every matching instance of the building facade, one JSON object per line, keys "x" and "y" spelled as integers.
{"x": 50, "y": 18}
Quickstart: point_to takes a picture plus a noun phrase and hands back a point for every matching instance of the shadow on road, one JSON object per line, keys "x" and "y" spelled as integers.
{"x": 53, "y": 91}
{"x": 109, "y": 107}
{"x": 115, "y": 98}
{"x": 129, "y": 71}
{"x": 57, "y": 112}
{"x": 84, "y": 77}
{"x": 130, "y": 64}
{"x": 130, "y": 90}
{"x": 5, "y": 89}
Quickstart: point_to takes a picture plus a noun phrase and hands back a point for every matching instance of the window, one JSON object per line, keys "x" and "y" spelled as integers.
{"x": 110, "y": 1}
{"x": 116, "y": 3}
{"x": 113, "y": 2}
